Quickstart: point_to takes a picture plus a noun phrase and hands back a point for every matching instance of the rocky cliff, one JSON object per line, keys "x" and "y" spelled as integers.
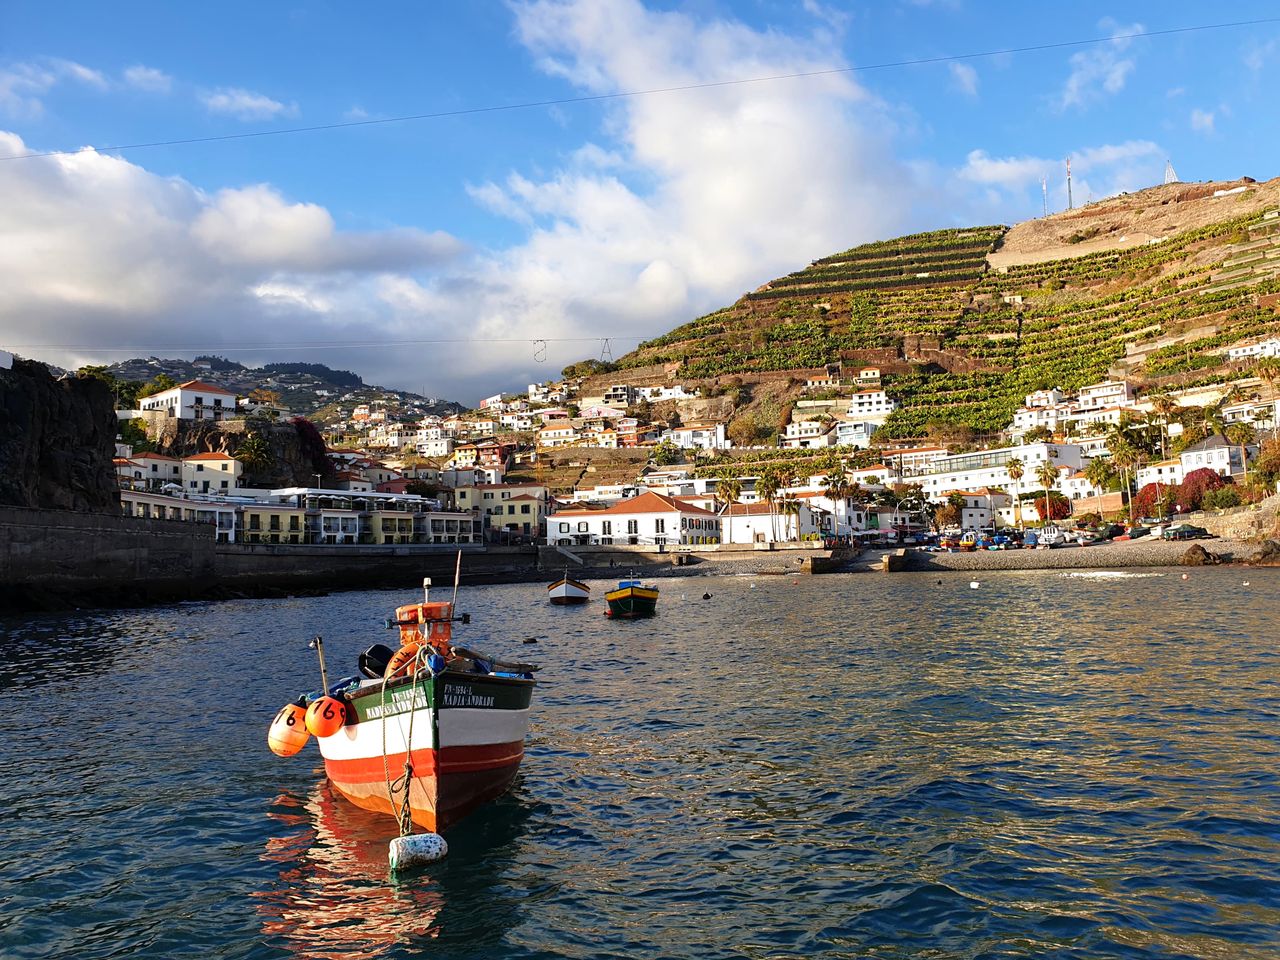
{"x": 57, "y": 440}
{"x": 275, "y": 454}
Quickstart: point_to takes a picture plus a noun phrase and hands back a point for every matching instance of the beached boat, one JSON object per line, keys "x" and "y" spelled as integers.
{"x": 567, "y": 591}
{"x": 632, "y": 599}
{"x": 430, "y": 731}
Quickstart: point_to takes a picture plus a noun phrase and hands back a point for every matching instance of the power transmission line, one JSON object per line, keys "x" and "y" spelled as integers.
{"x": 319, "y": 344}
{"x": 602, "y": 97}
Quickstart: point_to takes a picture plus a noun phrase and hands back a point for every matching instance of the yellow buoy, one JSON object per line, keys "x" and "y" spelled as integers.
{"x": 288, "y": 732}
{"x": 326, "y": 716}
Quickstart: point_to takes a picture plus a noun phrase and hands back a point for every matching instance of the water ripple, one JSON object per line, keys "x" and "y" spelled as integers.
{"x": 865, "y": 766}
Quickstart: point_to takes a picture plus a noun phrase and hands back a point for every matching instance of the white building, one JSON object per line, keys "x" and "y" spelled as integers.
{"x": 1215, "y": 453}
{"x": 764, "y": 523}
{"x": 854, "y": 433}
{"x": 211, "y": 473}
{"x": 492, "y": 404}
{"x": 1043, "y": 398}
{"x": 806, "y": 434}
{"x": 910, "y": 461}
{"x": 873, "y": 405}
{"x": 987, "y": 468}
{"x": 1167, "y": 473}
{"x": 699, "y": 436}
{"x": 1109, "y": 393}
{"x": 1270, "y": 347}
{"x": 658, "y": 394}
{"x": 193, "y": 400}
{"x": 558, "y": 435}
{"x": 649, "y": 518}
{"x": 981, "y": 507}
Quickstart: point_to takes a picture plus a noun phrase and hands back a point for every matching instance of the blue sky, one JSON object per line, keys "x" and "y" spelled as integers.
{"x": 617, "y": 219}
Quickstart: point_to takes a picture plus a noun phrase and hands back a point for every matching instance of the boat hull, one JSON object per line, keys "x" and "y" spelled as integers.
{"x": 462, "y": 735}
{"x": 632, "y": 602}
{"x": 567, "y": 592}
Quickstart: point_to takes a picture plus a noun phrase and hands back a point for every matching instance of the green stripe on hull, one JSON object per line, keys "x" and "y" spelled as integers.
{"x": 447, "y": 691}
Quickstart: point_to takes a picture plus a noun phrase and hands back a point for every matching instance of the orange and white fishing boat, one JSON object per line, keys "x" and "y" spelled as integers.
{"x": 566, "y": 591}
{"x": 430, "y": 731}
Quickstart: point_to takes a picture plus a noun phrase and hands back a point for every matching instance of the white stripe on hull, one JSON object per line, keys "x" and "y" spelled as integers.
{"x": 459, "y": 727}
{"x": 356, "y": 741}
{"x": 474, "y": 728}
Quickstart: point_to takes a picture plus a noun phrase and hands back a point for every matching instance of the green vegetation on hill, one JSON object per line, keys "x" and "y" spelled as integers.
{"x": 970, "y": 341}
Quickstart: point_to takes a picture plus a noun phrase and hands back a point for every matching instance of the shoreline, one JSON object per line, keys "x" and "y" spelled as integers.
{"x": 32, "y": 598}
{"x": 1135, "y": 553}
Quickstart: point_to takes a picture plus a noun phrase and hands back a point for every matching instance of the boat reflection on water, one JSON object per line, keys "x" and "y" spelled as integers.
{"x": 334, "y": 898}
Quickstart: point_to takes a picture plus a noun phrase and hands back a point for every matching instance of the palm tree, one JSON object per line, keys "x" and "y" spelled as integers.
{"x": 1100, "y": 473}
{"x": 767, "y": 490}
{"x": 1015, "y": 470}
{"x": 1164, "y": 406}
{"x": 1047, "y": 474}
{"x": 728, "y": 490}
{"x": 790, "y": 507}
{"x": 1125, "y": 456}
{"x": 1241, "y": 434}
{"x": 837, "y": 488}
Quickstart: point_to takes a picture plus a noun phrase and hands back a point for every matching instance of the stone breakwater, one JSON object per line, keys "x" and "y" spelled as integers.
{"x": 1134, "y": 553}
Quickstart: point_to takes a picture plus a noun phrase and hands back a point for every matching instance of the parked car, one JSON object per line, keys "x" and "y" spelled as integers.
{"x": 1186, "y": 531}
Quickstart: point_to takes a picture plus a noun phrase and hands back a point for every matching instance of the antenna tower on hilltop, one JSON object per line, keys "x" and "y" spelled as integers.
{"x": 1170, "y": 176}
{"x": 1070, "y": 204}
{"x": 1044, "y": 195}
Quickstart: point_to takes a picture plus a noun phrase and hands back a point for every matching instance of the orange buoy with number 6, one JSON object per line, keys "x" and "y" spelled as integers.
{"x": 326, "y": 716}
{"x": 288, "y": 733}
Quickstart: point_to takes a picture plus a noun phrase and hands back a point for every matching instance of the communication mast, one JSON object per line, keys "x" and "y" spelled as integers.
{"x": 1044, "y": 195}
{"x": 1070, "y": 204}
{"x": 1170, "y": 176}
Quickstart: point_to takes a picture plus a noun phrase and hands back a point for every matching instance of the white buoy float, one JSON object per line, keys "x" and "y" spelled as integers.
{"x": 416, "y": 850}
{"x": 1186, "y": 576}
{"x": 974, "y": 584}
{"x": 1245, "y": 584}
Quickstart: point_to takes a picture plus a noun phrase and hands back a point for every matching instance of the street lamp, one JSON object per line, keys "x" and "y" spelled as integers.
{"x": 317, "y": 476}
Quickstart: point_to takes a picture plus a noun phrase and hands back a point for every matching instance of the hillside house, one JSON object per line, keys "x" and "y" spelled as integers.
{"x": 873, "y": 405}
{"x": 193, "y": 400}
{"x": 211, "y": 473}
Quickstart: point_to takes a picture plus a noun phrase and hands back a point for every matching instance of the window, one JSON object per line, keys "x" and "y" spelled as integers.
{"x": 606, "y": 528}
{"x": 524, "y": 508}
{"x": 582, "y": 526}
{"x": 564, "y": 528}
{"x": 660, "y": 526}
{"x": 199, "y": 468}
{"x": 633, "y": 526}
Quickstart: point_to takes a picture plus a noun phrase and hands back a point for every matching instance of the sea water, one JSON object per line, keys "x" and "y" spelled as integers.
{"x": 874, "y": 765}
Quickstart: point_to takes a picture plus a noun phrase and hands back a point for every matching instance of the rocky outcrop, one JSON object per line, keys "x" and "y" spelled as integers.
{"x": 1198, "y": 556}
{"x": 57, "y": 441}
{"x": 1267, "y": 555}
{"x": 282, "y": 456}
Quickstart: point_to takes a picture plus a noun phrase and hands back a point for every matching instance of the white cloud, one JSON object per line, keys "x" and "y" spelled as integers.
{"x": 1013, "y": 183}
{"x": 100, "y": 252}
{"x": 965, "y": 79}
{"x": 1258, "y": 54}
{"x": 245, "y": 104}
{"x": 1202, "y": 120}
{"x": 23, "y": 85}
{"x": 1101, "y": 70}
{"x": 148, "y": 78}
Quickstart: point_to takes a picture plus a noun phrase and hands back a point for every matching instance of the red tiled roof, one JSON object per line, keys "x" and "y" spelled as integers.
{"x": 205, "y": 387}
{"x": 648, "y": 502}
{"x": 209, "y": 456}
{"x": 155, "y": 456}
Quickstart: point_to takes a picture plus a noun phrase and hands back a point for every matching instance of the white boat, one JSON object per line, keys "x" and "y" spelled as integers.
{"x": 566, "y": 591}
{"x": 1051, "y": 536}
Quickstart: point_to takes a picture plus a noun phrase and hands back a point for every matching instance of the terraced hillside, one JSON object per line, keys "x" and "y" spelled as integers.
{"x": 961, "y": 342}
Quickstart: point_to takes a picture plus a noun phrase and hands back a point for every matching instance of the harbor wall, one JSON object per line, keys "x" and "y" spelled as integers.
{"x": 59, "y": 559}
